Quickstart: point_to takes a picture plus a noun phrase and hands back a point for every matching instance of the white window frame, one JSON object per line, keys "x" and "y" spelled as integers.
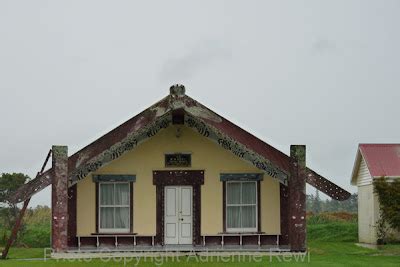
{"x": 239, "y": 230}
{"x": 114, "y": 230}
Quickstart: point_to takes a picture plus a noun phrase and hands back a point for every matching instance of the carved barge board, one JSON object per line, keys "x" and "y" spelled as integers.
{"x": 105, "y": 157}
{"x": 326, "y": 186}
{"x": 116, "y": 150}
{"x": 34, "y": 186}
{"x": 146, "y": 124}
{"x": 236, "y": 148}
{"x": 136, "y": 138}
{"x": 123, "y": 138}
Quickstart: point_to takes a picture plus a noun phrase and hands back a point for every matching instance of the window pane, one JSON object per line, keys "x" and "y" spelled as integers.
{"x": 248, "y": 216}
{"x": 106, "y": 217}
{"x": 233, "y": 193}
{"x": 122, "y": 218}
{"x": 122, "y": 194}
{"x": 106, "y": 194}
{"x": 249, "y": 193}
{"x": 233, "y": 217}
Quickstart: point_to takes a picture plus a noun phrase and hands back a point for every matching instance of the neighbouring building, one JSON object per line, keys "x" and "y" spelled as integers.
{"x": 179, "y": 176}
{"x": 372, "y": 161}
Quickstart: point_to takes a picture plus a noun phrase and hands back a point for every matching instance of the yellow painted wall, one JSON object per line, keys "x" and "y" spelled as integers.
{"x": 149, "y": 156}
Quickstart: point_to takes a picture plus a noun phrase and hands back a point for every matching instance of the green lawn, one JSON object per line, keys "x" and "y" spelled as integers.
{"x": 329, "y": 245}
{"x": 322, "y": 253}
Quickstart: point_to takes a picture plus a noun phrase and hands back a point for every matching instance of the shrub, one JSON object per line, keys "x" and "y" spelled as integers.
{"x": 34, "y": 232}
{"x": 389, "y": 206}
{"x": 36, "y": 236}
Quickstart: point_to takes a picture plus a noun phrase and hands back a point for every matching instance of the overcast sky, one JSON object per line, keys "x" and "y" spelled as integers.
{"x": 321, "y": 73}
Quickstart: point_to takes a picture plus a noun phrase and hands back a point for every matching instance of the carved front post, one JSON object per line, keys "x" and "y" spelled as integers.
{"x": 297, "y": 198}
{"x": 59, "y": 199}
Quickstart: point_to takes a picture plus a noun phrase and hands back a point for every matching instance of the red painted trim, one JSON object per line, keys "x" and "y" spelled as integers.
{"x": 72, "y": 228}
{"x": 97, "y": 207}
{"x": 284, "y": 214}
{"x": 259, "y": 206}
{"x": 131, "y": 207}
{"x": 224, "y": 206}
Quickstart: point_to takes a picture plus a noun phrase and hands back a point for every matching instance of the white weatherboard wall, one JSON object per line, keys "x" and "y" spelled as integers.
{"x": 368, "y": 214}
{"x": 368, "y": 205}
{"x": 363, "y": 176}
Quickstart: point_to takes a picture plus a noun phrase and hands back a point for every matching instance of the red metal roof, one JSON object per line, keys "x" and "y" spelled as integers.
{"x": 382, "y": 159}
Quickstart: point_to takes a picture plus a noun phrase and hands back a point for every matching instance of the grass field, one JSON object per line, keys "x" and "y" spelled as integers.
{"x": 330, "y": 244}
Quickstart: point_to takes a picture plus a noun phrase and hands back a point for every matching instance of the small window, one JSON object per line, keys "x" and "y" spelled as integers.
{"x": 114, "y": 207}
{"x": 241, "y": 206}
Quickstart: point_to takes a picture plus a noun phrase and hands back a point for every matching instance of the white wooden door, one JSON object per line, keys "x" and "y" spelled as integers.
{"x": 178, "y": 215}
{"x": 185, "y": 212}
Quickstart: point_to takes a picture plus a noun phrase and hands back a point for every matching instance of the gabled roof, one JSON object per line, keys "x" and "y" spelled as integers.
{"x": 179, "y": 108}
{"x": 381, "y": 159}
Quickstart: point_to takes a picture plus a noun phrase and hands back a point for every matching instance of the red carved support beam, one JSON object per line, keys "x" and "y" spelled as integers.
{"x": 59, "y": 199}
{"x": 297, "y": 199}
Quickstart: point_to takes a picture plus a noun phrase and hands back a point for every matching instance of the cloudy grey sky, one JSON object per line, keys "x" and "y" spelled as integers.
{"x": 321, "y": 73}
